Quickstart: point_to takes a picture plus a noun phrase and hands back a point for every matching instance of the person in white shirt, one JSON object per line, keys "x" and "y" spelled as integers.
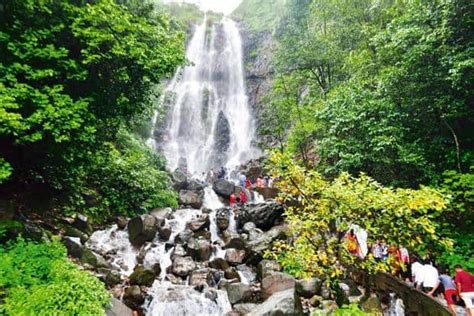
{"x": 430, "y": 277}
{"x": 416, "y": 275}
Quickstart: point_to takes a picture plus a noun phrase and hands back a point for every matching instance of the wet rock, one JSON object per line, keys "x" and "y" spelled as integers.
{"x": 223, "y": 188}
{"x": 162, "y": 213}
{"x": 316, "y": 300}
{"x": 142, "y": 276}
{"x": 280, "y": 303}
{"x": 308, "y": 287}
{"x": 73, "y": 246}
{"x": 203, "y": 234}
{"x": 165, "y": 231}
{"x": 328, "y": 307}
{"x": 133, "y": 297}
{"x": 112, "y": 278}
{"x": 117, "y": 308}
{"x": 372, "y": 305}
{"x": 234, "y": 240}
{"x": 199, "y": 249}
{"x": 234, "y": 256}
{"x": 211, "y": 294}
{"x": 199, "y": 224}
{"x": 190, "y": 198}
{"x": 74, "y": 232}
{"x": 183, "y": 266}
{"x": 350, "y": 287}
{"x": 174, "y": 279}
{"x": 142, "y": 228}
{"x": 223, "y": 218}
{"x": 267, "y": 267}
{"x": 275, "y": 283}
{"x": 179, "y": 179}
{"x": 194, "y": 185}
{"x": 244, "y": 308}
{"x": 93, "y": 259}
{"x": 201, "y": 276}
{"x": 219, "y": 263}
{"x": 157, "y": 268}
{"x": 248, "y": 227}
{"x": 178, "y": 251}
{"x": 264, "y": 215}
{"x": 184, "y": 236}
{"x": 121, "y": 222}
{"x": 231, "y": 273}
{"x": 221, "y": 139}
{"x": 238, "y": 292}
{"x": 257, "y": 246}
{"x": 246, "y": 273}
{"x": 81, "y": 222}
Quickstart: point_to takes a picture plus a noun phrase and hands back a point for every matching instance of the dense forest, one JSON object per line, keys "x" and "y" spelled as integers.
{"x": 364, "y": 115}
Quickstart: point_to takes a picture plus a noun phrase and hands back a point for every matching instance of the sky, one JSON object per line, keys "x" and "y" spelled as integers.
{"x": 223, "y": 6}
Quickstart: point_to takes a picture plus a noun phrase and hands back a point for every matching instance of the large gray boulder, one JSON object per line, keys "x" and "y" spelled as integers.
{"x": 198, "y": 224}
{"x": 264, "y": 215}
{"x": 142, "y": 228}
{"x": 142, "y": 276}
{"x": 117, "y": 308}
{"x": 238, "y": 292}
{"x": 262, "y": 241}
{"x": 190, "y": 198}
{"x": 234, "y": 256}
{"x": 279, "y": 304}
{"x": 276, "y": 282}
{"x": 94, "y": 259}
{"x": 162, "y": 213}
{"x": 179, "y": 179}
{"x": 223, "y": 218}
{"x": 199, "y": 249}
{"x": 267, "y": 267}
{"x": 223, "y": 187}
{"x": 73, "y": 246}
{"x": 201, "y": 276}
{"x": 183, "y": 266}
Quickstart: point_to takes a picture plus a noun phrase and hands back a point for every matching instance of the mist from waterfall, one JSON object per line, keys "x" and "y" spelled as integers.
{"x": 209, "y": 122}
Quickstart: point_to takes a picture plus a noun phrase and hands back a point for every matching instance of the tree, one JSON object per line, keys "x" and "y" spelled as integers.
{"x": 325, "y": 210}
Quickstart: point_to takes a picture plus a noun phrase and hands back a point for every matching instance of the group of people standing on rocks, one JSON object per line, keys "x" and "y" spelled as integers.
{"x": 421, "y": 273}
{"x": 238, "y": 177}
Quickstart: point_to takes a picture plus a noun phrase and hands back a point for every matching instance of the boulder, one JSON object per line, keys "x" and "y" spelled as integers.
{"x": 219, "y": 263}
{"x": 142, "y": 277}
{"x": 268, "y": 193}
{"x": 142, "y": 228}
{"x": 179, "y": 179}
{"x": 267, "y": 267}
{"x": 223, "y": 218}
{"x": 248, "y": 227}
{"x": 279, "y": 304}
{"x": 275, "y": 283}
{"x": 231, "y": 273}
{"x": 308, "y": 287}
{"x": 117, "y": 308}
{"x": 74, "y": 232}
{"x": 244, "y": 308}
{"x": 238, "y": 292}
{"x": 178, "y": 251}
{"x": 112, "y": 278}
{"x": 199, "y": 249}
{"x": 81, "y": 222}
{"x": 328, "y": 307}
{"x": 234, "y": 256}
{"x": 133, "y": 297}
{"x": 194, "y": 185}
{"x": 93, "y": 259}
{"x": 201, "y": 276}
{"x": 372, "y": 305}
{"x": 161, "y": 213}
{"x": 264, "y": 215}
{"x": 223, "y": 187}
{"x": 199, "y": 224}
{"x": 121, "y": 222}
{"x": 234, "y": 240}
{"x": 165, "y": 231}
{"x": 211, "y": 294}
{"x": 190, "y": 198}
{"x": 184, "y": 236}
{"x": 316, "y": 300}
{"x": 182, "y": 266}
{"x": 261, "y": 242}
{"x": 73, "y": 246}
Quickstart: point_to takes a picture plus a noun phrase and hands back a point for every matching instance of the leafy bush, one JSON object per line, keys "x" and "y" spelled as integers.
{"x": 39, "y": 280}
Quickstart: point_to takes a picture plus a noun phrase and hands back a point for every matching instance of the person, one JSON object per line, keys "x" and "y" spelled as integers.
{"x": 450, "y": 291}
{"x": 243, "y": 197}
{"x": 465, "y": 283}
{"x": 248, "y": 184}
{"x": 352, "y": 243}
{"x": 377, "y": 250}
{"x": 270, "y": 182}
{"x": 260, "y": 183}
{"x": 430, "y": 276}
{"x": 221, "y": 174}
{"x": 242, "y": 180}
{"x": 416, "y": 275}
{"x": 384, "y": 247}
{"x": 232, "y": 200}
{"x": 404, "y": 263}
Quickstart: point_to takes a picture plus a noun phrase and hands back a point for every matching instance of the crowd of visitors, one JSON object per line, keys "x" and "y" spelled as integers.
{"x": 421, "y": 273}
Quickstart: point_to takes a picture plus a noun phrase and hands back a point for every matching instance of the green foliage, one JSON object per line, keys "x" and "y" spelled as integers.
{"x": 72, "y": 75}
{"x": 187, "y": 14}
{"x": 39, "y": 280}
{"x": 349, "y": 310}
{"x": 260, "y": 15}
{"x": 325, "y": 210}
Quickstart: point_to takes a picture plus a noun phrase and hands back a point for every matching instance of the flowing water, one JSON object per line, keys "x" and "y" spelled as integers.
{"x": 209, "y": 122}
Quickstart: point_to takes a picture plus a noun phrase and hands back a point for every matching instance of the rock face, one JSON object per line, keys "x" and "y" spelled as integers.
{"x": 279, "y": 304}
{"x": 142, "y": 228}
{"x": 180, "y": 180}
{"x": 223, "y": 187}
{"x": 238, "y": 292}
{"x": 264, "y": 215}
{"x": 308, "y": 287}
{"x": 221, "y": 139}
{"x": 275, "y": 283}
{"x": 190, "y": 198}
{"x": 183, "y": 266}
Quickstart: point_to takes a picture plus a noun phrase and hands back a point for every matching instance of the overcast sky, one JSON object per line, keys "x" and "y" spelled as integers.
{"x": 224, "y": 6}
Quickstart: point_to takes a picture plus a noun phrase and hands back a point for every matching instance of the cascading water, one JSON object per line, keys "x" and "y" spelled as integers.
{"x": 209, "y": 121}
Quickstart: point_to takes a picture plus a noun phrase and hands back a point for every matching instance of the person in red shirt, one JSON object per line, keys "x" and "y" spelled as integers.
{"x": 465, "y": 283}
{"x": 243, "y": 197}
{"x": 232, "y": 200}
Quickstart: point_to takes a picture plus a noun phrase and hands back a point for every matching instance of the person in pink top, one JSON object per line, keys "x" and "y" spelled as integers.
{"x": 465, "y": 283}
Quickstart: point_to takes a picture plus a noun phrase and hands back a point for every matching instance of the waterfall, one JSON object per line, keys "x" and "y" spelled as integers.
{"x": 209, "y": 122}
